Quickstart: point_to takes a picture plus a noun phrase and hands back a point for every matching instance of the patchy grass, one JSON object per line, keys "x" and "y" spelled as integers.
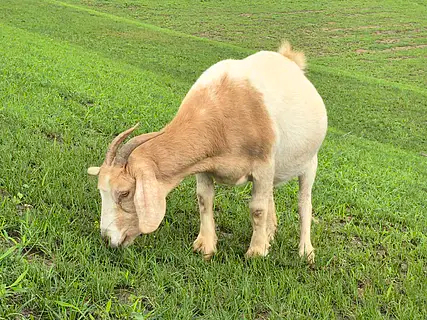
{"x": 77, "y": 73}
{"x": 172, "y": 55}
{"x": 330, "y": 32}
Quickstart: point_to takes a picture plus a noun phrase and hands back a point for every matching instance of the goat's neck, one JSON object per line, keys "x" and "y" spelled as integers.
{"x": 176, "y": 154}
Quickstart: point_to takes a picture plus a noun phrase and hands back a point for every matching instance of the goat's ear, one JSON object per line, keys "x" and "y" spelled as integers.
{"x": 150, "y": 202}
{"x": 93, "y": 171}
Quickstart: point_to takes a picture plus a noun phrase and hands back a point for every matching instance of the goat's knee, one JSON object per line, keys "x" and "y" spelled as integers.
{"x": 262, "y": 192}
{"x": 206, "y": 240}
{"x": 260, "y": 241}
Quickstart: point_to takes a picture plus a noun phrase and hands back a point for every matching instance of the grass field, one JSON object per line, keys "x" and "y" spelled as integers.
{"x": 75, "y": 73}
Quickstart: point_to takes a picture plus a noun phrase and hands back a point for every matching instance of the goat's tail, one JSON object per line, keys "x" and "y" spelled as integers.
{"x": 296, "y": 56}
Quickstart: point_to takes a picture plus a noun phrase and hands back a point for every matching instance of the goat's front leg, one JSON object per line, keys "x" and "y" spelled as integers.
{"x": 306, "y": 181}
{"x": 206, "y": 240}
{"x": 261, "y": 206}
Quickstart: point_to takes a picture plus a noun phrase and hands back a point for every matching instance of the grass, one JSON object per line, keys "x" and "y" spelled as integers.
{"x": 73, "y": 74}
{"x": 383, "y": 41}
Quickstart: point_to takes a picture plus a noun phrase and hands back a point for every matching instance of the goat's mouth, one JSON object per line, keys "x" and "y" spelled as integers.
{"x": 122, "y": 240}
{"x": 125, "y": 241}
{"x": 114, "y": 242}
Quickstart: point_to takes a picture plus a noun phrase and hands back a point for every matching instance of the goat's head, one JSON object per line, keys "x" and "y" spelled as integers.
{"x": 133, "y": 201}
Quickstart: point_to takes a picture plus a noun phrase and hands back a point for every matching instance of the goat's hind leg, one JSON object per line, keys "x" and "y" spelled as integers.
{"x": 206, "y": 240}
{"x": 261, "y": 207}
{"x": 306, "y": 181}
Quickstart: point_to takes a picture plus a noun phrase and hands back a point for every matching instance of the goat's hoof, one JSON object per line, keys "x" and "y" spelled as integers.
{"x": 308, "y": 252}
{"x": 256, "y": 252}
{"x": 203, "y": 246}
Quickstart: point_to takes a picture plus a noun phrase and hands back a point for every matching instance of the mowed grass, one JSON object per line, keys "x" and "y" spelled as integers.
{"x": 384, "y": 40}
{"x": 73, "y": 75}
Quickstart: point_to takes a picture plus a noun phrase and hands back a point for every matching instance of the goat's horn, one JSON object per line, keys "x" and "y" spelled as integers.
{"x": 126, "y": 150}
{"x": 112, "y": 148}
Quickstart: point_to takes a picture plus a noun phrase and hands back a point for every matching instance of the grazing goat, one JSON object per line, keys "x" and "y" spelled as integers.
{"x": 257, "y": 119}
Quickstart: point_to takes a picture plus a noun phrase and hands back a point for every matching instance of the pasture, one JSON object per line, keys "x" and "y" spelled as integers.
{"x": 75, "y": 73}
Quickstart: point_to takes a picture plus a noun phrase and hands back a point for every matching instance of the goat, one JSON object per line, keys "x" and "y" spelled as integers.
{"x": 257, "y": 119}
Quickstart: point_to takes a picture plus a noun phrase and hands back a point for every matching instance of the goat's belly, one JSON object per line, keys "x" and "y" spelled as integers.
{"x": 287, "y": 167}
{"x": 283, "y": 177}
{"x": 232, "y": 180}
{"x": 294, "y": 156}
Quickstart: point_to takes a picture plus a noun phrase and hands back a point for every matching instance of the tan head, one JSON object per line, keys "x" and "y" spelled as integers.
{"x": 132, "y": 200}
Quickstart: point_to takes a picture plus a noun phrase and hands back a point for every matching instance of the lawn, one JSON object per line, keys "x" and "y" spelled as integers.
{"x": 75, "y": 73}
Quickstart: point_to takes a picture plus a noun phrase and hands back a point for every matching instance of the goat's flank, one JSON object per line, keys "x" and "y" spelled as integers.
{"x": 258, "y": 119}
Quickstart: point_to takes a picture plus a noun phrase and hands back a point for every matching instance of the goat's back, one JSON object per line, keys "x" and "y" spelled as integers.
{"x": 295, "y": 111}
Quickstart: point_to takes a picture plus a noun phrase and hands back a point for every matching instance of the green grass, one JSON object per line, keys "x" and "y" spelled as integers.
{"x": 73, "y": 74}
{"x": 364, "y": 38}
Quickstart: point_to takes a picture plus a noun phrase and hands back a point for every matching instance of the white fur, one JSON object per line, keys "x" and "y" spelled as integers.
{"x": 108, "y": 224}
{"x": 296, "y": 110}
{"x": 214, "y": 72}
{"x": 299, "y": 122}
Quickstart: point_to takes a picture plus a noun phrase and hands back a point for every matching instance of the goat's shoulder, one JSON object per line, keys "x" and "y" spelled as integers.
{"x": 217, "y": 71}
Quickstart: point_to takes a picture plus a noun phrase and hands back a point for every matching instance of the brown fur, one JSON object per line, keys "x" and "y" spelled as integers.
{"x": 223, "y": 129}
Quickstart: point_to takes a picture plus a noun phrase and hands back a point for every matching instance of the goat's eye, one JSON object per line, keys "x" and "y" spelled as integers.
{"x": 124, "y": 194}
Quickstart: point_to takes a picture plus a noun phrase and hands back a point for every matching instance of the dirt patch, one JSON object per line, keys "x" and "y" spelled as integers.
{"x": 261, "y": 312}
{"x": 14, "y": 234}
{"x": 362, "y": 286}
{"x": 28, "y": 314}
{"x": 401, "y": 58}
{"x": 381, "y": 251}
{"x": 347, "y": 219}
{"x": 132, "y": 7}
{"x": 403, "y": 268}
{"x": 262, "y": 315}
{"x": 360, "y": 51}
{"x": 359, "y": 14}
{"x": 388, "y": 41}
{"x": 303, "y": 11}
{"x": 400, "y": 30}
{"x": 210, "y": 34}
{"x": 247, "y": 15}
{"x": 357, "y": 241}
{"x": 405, "y": 28}
{"x": 226, "y": 233}
{"x": 22, "y": 207}
{"x": 350, "y": 29}
{"x": 54, "y": 136}
{"x": 385, "y": 32}
{"x": 36, "y": 253}
{"x": 123, "y": 295}
{"x": 418, "y": 46}
{"x": 3, "y": 193}
{"x": 147, "y": 304}
{"x": 71, "y": 96}
{"x": 394, "y": 49}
